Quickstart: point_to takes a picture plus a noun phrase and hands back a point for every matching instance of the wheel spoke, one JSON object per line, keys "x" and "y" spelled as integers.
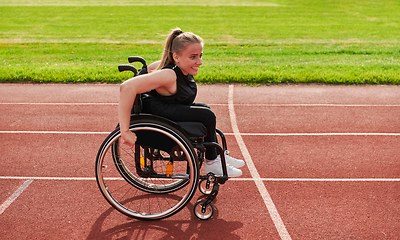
{"x": 140, "y": 188}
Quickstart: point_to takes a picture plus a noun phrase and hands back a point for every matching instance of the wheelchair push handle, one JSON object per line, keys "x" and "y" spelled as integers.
{"x": 137, "y": 59}
{"x": 142, "y": 61}
{"x": 122, "y": 68}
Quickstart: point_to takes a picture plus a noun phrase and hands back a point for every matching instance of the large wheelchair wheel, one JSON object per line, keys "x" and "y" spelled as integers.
{"x": 148, "y": 182}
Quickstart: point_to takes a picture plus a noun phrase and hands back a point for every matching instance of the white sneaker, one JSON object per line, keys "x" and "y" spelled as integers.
{"x": 233, "y": 161}
{"x": 216, "y": 168}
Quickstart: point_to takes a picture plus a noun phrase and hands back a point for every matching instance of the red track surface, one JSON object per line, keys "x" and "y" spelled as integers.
{"x": 327, "y": 156}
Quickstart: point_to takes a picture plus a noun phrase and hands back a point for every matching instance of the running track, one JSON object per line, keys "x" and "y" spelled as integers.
{"x": 322, "y": 163}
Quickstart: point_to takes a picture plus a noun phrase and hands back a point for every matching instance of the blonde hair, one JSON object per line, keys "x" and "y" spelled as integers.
{"x": 175, "y": 43}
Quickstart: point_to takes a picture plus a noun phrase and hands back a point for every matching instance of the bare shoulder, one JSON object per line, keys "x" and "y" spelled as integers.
{"x": 166, "y": 79}
{"x": 160, "y": 79}
{"x": 164, "y": 75}
{"x": 152, "y": 67}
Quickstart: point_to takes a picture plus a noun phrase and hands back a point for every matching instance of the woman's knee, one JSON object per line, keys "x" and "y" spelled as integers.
{"x": 209, "y": 116}
{"x": 200, "y": 104}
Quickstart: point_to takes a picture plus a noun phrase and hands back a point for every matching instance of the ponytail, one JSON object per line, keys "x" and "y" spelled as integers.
{"x": 175, "y": 42}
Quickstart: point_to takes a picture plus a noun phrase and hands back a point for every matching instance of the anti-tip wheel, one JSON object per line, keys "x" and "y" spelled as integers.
{"x": 208, "y": 210}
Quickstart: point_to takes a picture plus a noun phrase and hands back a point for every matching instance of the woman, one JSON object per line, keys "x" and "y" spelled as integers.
{"x": 170, "y": 91}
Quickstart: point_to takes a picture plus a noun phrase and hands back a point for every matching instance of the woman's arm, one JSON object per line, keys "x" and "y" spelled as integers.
{"x": 164, "y": 79}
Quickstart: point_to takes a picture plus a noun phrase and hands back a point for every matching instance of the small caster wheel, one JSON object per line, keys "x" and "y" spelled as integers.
{"x": 205, "y": 187}
{"x": 203, "y": 213}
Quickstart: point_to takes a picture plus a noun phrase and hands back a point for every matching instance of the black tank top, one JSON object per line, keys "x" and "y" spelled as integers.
{"x": 186, "y": 90}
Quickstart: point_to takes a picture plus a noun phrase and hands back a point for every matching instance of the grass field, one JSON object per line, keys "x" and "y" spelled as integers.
{"x": 253, "y": 42}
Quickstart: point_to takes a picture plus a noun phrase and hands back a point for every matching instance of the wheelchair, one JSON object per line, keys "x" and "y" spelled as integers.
{"x": 158, "y": 176}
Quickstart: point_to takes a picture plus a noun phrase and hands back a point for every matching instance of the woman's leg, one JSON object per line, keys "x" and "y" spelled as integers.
{"x": 197, "y": 112}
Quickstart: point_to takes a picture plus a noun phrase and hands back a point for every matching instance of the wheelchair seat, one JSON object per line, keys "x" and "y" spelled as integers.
{"x": 192, "y": 130}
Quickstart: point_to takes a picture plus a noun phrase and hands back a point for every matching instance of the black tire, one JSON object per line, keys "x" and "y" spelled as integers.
{"x": 141, "y": 189}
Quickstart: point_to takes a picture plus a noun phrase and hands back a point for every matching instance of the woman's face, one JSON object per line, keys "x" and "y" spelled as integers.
{"x": 189, "y": 60}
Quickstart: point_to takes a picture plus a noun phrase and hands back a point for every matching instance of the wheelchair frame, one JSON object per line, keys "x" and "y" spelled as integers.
{"x": 156, "y": 180}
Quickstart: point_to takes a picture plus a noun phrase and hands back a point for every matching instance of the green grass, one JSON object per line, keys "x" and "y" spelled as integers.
{"x": 252, "y": 42}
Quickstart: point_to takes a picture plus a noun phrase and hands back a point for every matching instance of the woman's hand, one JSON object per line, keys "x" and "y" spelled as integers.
{"x": 128, "y": 138}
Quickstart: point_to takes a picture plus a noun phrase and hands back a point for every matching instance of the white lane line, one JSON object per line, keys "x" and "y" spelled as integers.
{"x": 230, "y": 134}
{"x": 214, "y": 104}
{"x": 320, "y": 179}
{"x": 54, "y": 132}
{"x": 314, "y": 105}
{"x": 283, "y": 233}
{"x": 60, "y": 103}
{"x": 14, "y": 196}
{"x": 231, "y": 179}
{"x": 50, "y": 178}
{"x": 317, "y": 134}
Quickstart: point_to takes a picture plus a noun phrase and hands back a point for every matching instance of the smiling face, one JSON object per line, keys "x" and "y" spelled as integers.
{"x": 189, "y": 59}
